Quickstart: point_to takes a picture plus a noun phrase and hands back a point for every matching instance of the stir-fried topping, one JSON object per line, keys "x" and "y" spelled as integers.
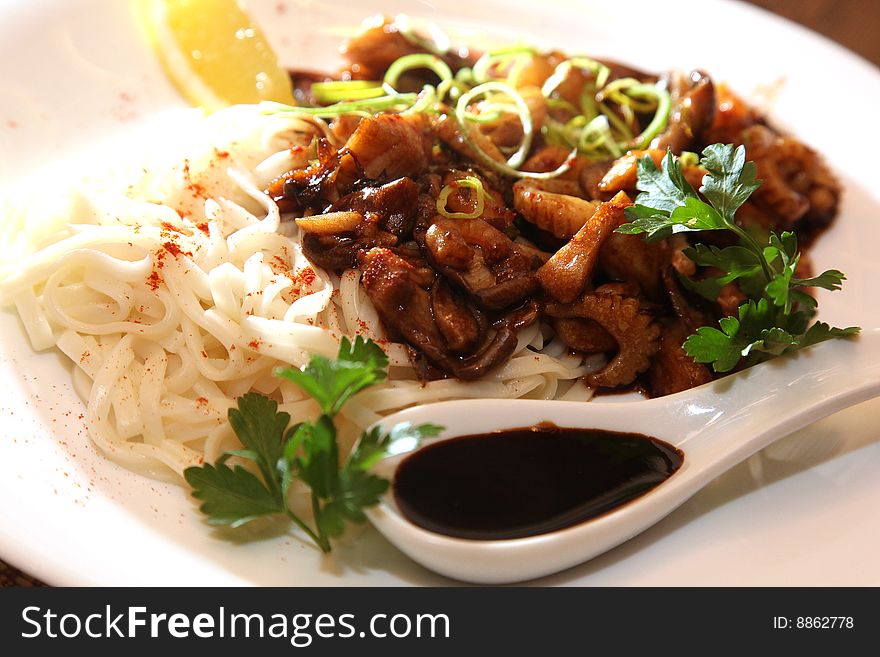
{"x": 480, "y": 193}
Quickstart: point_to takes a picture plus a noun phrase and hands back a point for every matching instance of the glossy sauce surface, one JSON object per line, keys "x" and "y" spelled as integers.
{"x": 523, "y": 482}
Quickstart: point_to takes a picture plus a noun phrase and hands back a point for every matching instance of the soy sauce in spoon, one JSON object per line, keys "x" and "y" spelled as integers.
{"x": 528, "y": 481}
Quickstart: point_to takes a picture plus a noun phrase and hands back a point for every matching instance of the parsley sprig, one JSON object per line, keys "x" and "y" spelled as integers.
{"x": 776, "y": 317}
{"x": 307, "y": 451}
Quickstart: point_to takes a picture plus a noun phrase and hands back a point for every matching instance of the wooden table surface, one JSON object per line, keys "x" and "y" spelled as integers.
{"x": 852, "y": 23}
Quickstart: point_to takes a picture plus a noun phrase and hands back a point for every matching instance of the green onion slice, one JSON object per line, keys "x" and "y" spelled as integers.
{"x": 516, "y": 57}
{"x": 585, "y": 63}
{"x": 364, "y": 107}
{"x": 661, "y": 116}
{"x": 469, "y": 182}
{"x": 525, "y": 117}
{"x": 335, "y": 91}
{"x": 411, "y": 62}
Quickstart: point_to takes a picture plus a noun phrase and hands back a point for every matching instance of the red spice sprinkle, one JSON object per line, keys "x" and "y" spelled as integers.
{"x": 84, "y": 357}
{"x": 221, "y": 154}
{"x": 202, "y": 401}
{"x": 154, "y": 280}
{"x": 174, "y": 249}
{"x": 255, "y": 344}
{"x": 203, "y": 226}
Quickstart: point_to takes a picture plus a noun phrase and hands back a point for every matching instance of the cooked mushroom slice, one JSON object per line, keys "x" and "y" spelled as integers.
{"x": 392, "y": 206}
{"x": 559, "y": 214}
{"x": 565, "y": 275}
{"x": 689, "y": 314}
{"x": 672, "y": 370}
{"x": 482, "y": 260}
{"x": 629, "y": 323}
{"x": 455, "y": 321}
{"x": 692, "y": 113}
{"x": 407, "y": 311}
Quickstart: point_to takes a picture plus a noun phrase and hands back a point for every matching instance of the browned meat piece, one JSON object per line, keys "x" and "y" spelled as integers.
{"x": 566, "y": 274}
{"x": 796, "y": 183}
{"x": 584, "y": 335}
{"x": 692, "y": 113}
{"x": 560, "y": 215}
{"x": 581, "y": 178}
{"x": 449, "y": 132}
{"x": 623, "y": 174}
{"x": 340, "y": 251}
{"x": 672, "y": 370}
{"x": 343, "y": 127}
{"x": 388, "y": 146}
{"x": 630, "y": 324}
{"x": 298, "y": 190}
{"x": 631, "y": 258}
{"x": 371, "y": 52}
{"x": 391, "y": 206}
{"x": 730, "y": 298}
{"x": 680, "y": 262}
{"x": 407, "y": 311}
{"x": 507, "y": 131}
{"x": 481, "y": 260}
{"x": 386, "y": 214}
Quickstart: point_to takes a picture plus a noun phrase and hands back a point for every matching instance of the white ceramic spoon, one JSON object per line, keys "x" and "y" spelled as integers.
{"x": 716, "y": 425}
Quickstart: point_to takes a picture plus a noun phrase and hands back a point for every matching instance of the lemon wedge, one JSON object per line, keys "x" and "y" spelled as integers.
{"x": 214, "y": 52}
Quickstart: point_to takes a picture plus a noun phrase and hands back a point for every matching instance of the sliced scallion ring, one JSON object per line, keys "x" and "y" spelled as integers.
{"x": 515, "y": 56}
{"x": 525, "y": 117}
{"x": 585, "y": 63}
{"x": 469, "y": 182}
{"x": 661, "y": 116}
{"x": 412, "y": 62}
{"x": 597, "y": 136}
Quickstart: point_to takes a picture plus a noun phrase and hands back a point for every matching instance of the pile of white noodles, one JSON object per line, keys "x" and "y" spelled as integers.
{"x": 163, "y": 341}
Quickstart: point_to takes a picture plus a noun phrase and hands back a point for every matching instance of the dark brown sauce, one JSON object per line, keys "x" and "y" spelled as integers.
{"x": 523, "y": 482}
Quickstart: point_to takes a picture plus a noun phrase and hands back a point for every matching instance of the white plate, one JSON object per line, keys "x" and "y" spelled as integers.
{"x": 74, "y": 74}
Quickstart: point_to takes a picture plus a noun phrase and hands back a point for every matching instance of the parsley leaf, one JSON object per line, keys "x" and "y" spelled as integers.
{"x": 828, "y": 280}
{"x": 776, "y": 316}
{"x": 333, "y": 382}
{"x": 662, "y": 189}
{"x": 307, "y": 452}
{"x": 730, "y": 181}
{"x": 231, "y": 496}
{"x": 261, "y": 429}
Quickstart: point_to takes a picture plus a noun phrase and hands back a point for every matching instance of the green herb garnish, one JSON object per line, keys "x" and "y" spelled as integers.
{"x": 306, "y": 451}
{"x": 776, "y": 317}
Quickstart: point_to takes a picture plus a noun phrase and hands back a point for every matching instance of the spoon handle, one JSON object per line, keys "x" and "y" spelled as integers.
{"x": 776, "y": 398}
